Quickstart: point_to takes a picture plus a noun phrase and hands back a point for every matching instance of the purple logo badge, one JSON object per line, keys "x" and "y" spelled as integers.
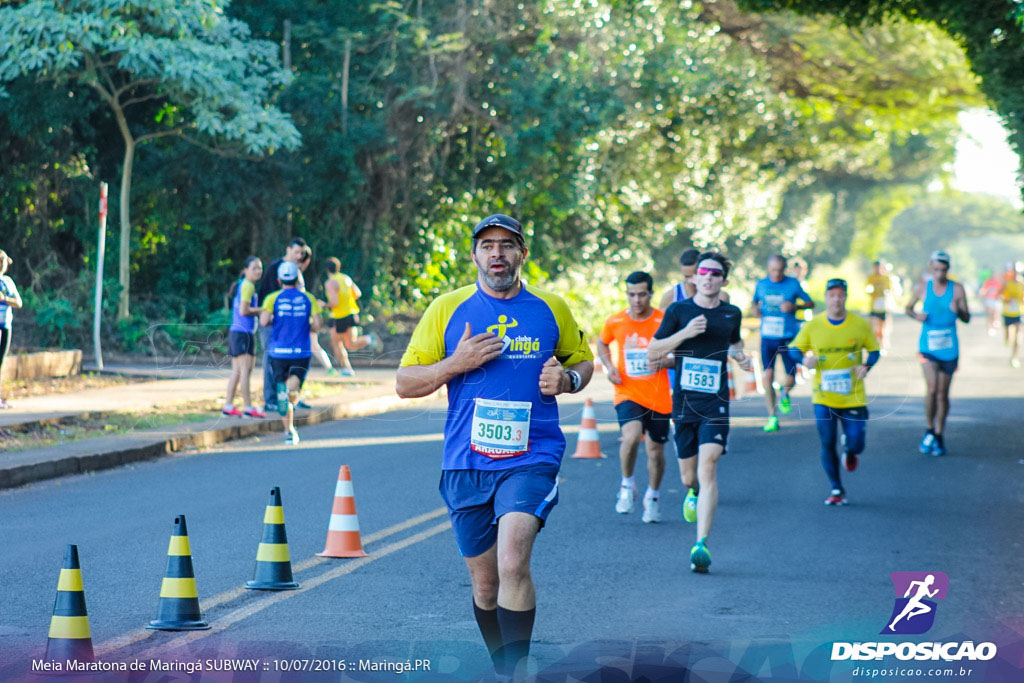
{"x": 914, "y": 611}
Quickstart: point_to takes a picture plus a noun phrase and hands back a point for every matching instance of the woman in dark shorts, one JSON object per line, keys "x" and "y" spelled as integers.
{"x": 242, "y": 338}
{"x": 9, "y": 299}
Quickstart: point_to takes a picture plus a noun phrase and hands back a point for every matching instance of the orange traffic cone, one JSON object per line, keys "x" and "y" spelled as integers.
{"x": 588, "y": 445}
{"x": 752, "y": 385}
{"x": 69, "y": 637}
{"x": 732, "y": 387}
{"x": 273, "y": 570}
{"x": 343, "y": 531}
{"x": 179, "y": 600}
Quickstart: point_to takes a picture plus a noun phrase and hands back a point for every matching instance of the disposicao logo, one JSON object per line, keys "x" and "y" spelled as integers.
{"x": 913, "y": 614}
{"x": 914, "y": 611}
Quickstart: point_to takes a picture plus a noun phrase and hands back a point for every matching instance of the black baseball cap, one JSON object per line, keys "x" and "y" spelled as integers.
{"x": 835, "y": 282}
{"x": 500, "y": 220}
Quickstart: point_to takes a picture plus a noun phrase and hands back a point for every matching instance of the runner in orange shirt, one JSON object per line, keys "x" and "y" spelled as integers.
{"x": 643, "y": 400}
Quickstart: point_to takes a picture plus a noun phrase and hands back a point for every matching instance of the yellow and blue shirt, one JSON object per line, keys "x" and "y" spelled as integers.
{"x": 491, "y": 406}
{"x": 289, "y": 335}
{"x": 839, "y": 348}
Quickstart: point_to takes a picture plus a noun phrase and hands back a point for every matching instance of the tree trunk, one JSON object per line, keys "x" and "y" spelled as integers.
{"x": 124, "y": 255}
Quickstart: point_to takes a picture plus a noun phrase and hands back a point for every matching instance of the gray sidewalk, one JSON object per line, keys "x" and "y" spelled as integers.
{"x": 371, "y": 391}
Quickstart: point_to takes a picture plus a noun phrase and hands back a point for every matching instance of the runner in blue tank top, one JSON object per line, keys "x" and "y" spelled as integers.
{"x": 505, "y": 350}
{"x": 242, "y": 339}
{"x": 293, "y": 313}
{"x": 945, "y": 301}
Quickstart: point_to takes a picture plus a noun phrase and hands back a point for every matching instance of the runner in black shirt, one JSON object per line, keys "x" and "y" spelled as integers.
{"x": 702, "y": 333}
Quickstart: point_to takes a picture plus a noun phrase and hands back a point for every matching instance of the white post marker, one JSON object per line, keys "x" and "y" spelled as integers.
{"x": 100, "y": 252}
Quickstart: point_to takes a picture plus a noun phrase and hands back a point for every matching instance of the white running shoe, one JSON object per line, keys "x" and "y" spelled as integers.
{"x": 292, "y": 437}
{"x": 652, "y": 513}
{"x": 624, "y": 504}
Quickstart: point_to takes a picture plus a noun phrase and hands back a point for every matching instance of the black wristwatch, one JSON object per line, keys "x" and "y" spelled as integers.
{"x": 574, "y": 381}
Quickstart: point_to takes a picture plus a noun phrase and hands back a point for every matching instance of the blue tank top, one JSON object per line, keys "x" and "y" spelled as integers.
{"x": 938, "y": 332}
{"x": 289, "y": 335}
{"x": 680, "y": 292}
{"x": 239, "y": 322}
{"x": 5, "y": 309}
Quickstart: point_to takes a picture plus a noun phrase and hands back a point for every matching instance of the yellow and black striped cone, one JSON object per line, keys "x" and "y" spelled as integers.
{"x": 273, "y": 570}
{"x": 179, "y": 601}
{"x": 70, "y": 638}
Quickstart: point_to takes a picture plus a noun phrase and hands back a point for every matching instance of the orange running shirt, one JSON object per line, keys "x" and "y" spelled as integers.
{"x": 639, "y": 384}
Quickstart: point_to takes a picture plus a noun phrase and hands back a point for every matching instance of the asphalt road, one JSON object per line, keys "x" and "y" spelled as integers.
{"x": 789, "y": 575}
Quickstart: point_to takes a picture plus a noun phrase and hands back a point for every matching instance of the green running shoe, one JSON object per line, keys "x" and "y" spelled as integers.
{"x": 282, "y": 399}
{"x": 690, "y": 507}
{"x": 772, "y": 425}
{"x": 784, "y": 404}
{"x": 700, "y": 557}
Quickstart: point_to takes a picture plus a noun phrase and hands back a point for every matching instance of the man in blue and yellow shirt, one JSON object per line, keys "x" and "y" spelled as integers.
{"x": 505, "y": 350}
{"x": 835, "y": 343}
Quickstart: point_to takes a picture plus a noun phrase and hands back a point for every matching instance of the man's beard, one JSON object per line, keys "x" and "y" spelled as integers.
{"x": 502, "y": 282}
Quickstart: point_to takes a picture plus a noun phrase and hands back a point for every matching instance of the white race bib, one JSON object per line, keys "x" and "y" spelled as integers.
{"x": 837, "y": 381}
{"x": 701, "y": 374}
{"x": 878, "y": 305}
{"x": 773, "y": 327}
{"x": 500, "y": 429}
{"x": 636, "y": 362}
{"x": 940, "y": 340}
{"x": 1011, "y": 307}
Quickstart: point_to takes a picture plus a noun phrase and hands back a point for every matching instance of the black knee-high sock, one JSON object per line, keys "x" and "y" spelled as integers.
{"x": 487, "y": 620}
{"x": 516, "y": 630}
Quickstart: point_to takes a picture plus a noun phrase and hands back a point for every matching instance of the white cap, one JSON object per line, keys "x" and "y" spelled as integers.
{"x": 287, "y": 272}
{"x": 941, "y": 256}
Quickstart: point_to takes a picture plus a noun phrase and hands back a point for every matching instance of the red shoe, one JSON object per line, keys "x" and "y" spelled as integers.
{"x": 849, "y": 461}
{"x": 233, "y": 412}
{"x": 254, "y": 412}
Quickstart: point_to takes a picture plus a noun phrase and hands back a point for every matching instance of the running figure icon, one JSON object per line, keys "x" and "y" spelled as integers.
{"x": 915, "y": 606}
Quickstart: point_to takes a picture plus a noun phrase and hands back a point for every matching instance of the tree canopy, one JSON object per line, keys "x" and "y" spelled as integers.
{"x": 619, "y": 132}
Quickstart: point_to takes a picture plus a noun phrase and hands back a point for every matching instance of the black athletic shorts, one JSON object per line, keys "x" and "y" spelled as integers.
{"x": 880, "y": 316}
{"x": 342, "y": 325}
{"x": 1009, "y": 320}
{"x": 946, "y": 366}
{"x": 655, "y": 424}
{"x": 241, "y": 343}
{"x": 284, "y": 368}
{"x": 693, "y": 430}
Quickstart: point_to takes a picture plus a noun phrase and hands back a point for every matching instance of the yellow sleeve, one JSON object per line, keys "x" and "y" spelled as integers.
{"x": 867, "y": 336}
{"x": 268, "y": 302}
{"x": 803, "y": 338}
{"x": 248, "y": 289}
{"x": 314, "y": 304}
{"x": 426, "y": 346}
{"x": 572, "y": 346}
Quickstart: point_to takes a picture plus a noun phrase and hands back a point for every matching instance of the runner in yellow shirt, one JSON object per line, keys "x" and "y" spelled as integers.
{"x": 879, "y": 289}
{"x": 1012, "y": 295}
{"x": 835, "y": 343}
{"x": 342, "y": 293}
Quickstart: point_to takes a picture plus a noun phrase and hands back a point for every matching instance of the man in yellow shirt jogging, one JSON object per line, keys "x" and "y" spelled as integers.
{"x": 835, "y": 343}
{"x": 341, "y": 304}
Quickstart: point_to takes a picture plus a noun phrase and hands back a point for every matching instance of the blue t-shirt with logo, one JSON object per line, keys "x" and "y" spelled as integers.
{"x": 497, "y": 417}
{"x": 774, "y": 323}
{"x": 289, "y": 334}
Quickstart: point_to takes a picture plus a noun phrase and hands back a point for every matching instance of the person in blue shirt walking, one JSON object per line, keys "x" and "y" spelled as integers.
{"x": 9, "y": 299}
{"x": 505, "y": 350}
{"x": 777, "y": 298}
{"x": 945, "y": 301}
{"x": 242, "y": 339}
{"x": 292, "y": 313}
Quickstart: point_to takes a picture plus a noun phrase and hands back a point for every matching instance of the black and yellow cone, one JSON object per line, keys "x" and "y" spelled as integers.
{"x": 69, "y": 638}
{"x": 179, "y": 601}
{"x": 273, "y": 570}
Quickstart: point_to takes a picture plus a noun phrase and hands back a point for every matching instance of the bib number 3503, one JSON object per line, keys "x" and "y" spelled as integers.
{"x": 500, "y": 429}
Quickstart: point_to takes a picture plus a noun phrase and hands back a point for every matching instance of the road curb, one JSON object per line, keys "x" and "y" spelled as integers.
{"x": 11, "y": 477}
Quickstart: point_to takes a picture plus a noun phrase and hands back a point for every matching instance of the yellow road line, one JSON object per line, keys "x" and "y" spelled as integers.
{"x": 238, "y": 615}
{"x": 127, "y": 639}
